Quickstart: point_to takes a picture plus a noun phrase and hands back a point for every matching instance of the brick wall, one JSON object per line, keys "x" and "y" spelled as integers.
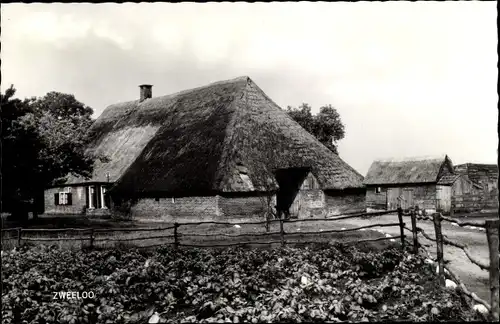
{"x": 78, "y": 201}
{"x": 196, "y": 209}
{"x": 337, "y": 202}
{"x": 181, "y": 209}
{"x": 241, "y": 208}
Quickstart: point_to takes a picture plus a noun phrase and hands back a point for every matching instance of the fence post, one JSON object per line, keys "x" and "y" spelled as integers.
{"x": 439, "y": 243}
{"x": 176, "y": 237}
{"x": 19, "y": 232}
{"x": 414, "y": 230}
{"x": 282, "y": 232}
{"x": 492, "y": 234}
{"x": 401, "y": 227}
{"x": 91, "y": 238}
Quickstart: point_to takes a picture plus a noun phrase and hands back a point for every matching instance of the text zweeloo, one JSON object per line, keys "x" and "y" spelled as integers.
{"x": 74, "y": 295}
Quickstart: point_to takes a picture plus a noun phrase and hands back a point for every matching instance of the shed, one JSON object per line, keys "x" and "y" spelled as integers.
{"x": 484, "y": 195}
{"x": 425, "y": 182}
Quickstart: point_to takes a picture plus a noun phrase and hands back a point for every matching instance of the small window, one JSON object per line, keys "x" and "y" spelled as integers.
{"x": 63, "y": 198}
{"x": 378, "y": 190}
{"x": 157, "y": 199}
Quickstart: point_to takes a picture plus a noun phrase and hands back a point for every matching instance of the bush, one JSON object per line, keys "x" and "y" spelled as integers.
{"x": 313, "y": 284}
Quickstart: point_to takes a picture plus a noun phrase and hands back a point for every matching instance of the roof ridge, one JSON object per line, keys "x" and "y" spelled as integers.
{"x": 183, "y": 92}
{"x": 229, "y": 81}
{"x": 411, "y": 158}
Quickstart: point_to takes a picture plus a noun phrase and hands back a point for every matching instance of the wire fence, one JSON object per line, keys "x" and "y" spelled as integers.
{"x": 491, "y": 228}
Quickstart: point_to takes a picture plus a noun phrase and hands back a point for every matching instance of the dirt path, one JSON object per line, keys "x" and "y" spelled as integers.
{"x": 472, "y": 276}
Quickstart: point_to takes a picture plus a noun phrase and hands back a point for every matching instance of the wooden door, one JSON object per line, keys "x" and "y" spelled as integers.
{"x": 296, "y": 205}
{"x": 407, "y": 198}
{"x": 392, "y": 198}
{"x": 443, "y": 198}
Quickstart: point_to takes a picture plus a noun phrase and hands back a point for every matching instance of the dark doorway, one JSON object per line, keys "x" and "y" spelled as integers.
{"x": 289, "y": 181}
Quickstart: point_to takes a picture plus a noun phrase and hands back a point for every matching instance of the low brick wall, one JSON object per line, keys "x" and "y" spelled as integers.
{"x": 337, "y": 203}
{"x": 241, "y": 208}
{"x": 198, "y": 209}
{"x": 183, "y": 209}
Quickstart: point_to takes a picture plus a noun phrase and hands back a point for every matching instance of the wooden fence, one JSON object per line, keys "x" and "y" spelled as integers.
{"x": 491, "y": 227}
{"x": 95, "y": 236}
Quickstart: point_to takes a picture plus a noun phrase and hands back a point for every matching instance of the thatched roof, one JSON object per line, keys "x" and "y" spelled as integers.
{"x": 448, "y": 179}
{"x": 478, "y": 167}
{"x": 224, "y": 137}
{"x": 407, "y": 170}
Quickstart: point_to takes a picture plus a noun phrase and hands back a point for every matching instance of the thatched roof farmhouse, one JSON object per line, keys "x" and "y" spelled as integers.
{"x": 214, "y": 151}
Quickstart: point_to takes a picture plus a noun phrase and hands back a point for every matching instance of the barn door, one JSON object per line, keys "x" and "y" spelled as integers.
{"x": 296, "y": 205}
{"x": 288, "y": 197}
{"x": 443, "y": 198}
{"x": 407, "y": 198}
{"x": 392, "y": 198}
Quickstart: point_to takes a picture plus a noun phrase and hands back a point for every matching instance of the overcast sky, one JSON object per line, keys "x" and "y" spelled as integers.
{"x": 408, "y": 78}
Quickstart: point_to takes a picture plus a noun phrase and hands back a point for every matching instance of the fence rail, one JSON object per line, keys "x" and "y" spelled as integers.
{"x": 86, "y": 234}
{"x": 94, "y": 235}
{"x": 492, "y": 229}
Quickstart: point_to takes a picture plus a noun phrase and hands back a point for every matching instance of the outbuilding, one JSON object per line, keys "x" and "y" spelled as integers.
{"x": 426, "y": 182}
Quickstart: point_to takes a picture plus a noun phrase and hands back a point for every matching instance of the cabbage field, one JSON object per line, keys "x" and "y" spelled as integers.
{"x": 318, "y": 283}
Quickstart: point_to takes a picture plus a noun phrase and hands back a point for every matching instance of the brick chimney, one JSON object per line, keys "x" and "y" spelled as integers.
{"x": 146, "y": 92}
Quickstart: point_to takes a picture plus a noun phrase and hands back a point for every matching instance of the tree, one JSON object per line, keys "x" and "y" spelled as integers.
{"x": 62, "y": 123}
{"x": 19, "y": 150}
{"x": 326, "y": 126}
{"x": 44, "y": 139}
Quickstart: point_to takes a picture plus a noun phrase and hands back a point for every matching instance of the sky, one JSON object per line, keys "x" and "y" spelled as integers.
{"x": 407, "y": 78}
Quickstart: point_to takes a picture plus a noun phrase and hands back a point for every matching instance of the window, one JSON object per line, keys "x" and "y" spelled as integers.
{"x": 378, "y": 190}
{"x": 64, "y": 197}
{"x": 157, "y": 199}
